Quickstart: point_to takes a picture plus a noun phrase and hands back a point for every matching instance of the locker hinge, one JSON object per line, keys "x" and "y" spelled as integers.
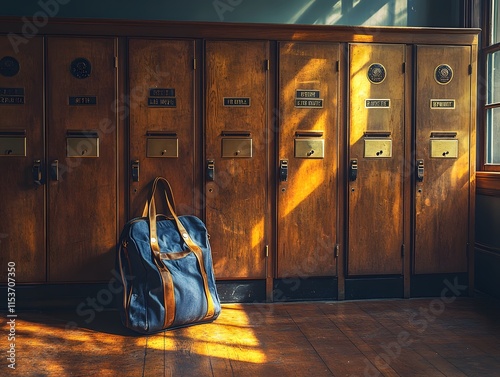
{"x": 402, "y": 251}
{"x": 404, "y": 67}
{"x": 267, "y": 251}
{"x": 268, "y": 65}
{"x": 470, "y": 69}
{"x": 337, "y": 66}
{"x": 337, "y": 250}
{"x": 116, "y": 61}
{"x": 194, "y": 64}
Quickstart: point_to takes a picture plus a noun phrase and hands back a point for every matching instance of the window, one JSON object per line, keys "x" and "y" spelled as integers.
{"x": 491, "y": 114}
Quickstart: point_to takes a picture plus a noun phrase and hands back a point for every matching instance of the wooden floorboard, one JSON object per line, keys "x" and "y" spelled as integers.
{"x": 417, "y": 337}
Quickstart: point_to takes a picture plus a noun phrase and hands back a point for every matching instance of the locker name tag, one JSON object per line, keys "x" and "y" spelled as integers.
{"x": 377, "y": 103}
{"x": 11, "y": 96}
{"x": 301, "y": 93}
{"x": 11, "y": 91}
{"x": 82, "y": 100}
{"x": 442, "y": 103}
{"x": 309, "y": 103}
{"x": 237, "y": 101}
{"x": 11, "y": 100}
{"x": 162, "y": 92}
{"x": 162, "y": 102}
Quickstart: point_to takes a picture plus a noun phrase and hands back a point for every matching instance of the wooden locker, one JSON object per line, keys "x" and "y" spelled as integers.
{"x": 82, "y": 158}
{"x": 237, "y": 157}
{"x": 376, "y": 159}
{"x": 443, "y": 126}
{"x": 22, "y": 199}
{"x": 308, "y": 145}
{"x": 162, "y": 121}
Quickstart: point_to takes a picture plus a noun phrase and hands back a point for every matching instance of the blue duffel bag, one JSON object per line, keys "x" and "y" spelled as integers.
{"x": 166, "y": 268}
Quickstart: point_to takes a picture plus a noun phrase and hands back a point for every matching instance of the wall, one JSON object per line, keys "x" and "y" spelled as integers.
{"x": 439, "y": 13}
{"x": 487, "y": 258}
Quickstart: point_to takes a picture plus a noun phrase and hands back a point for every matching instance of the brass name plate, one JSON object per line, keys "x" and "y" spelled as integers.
{"x": 444, "y": 148}
{"x": 162, "y": 102}
{"x": 11, "y": 96}
{"x": 82, "y": 100}
{"x": 304, "y": 93}
{"x": 309, "y": 148}
{"x": 237, "y": 147}
{"x": 12, "y": 146}
{"x": 236, "y": 101}
{"x": 442, "y": 103}
{"x": 377, "y": 103}
{"x": 378, "y": 148}
{"x": 162, "y": 147}
{"x": 162, "y": 92}
{"x": 309, "y": 103}
{"x": 82, "y": 144}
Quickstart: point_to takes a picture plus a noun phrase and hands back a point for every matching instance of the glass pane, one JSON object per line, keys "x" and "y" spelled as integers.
{"x": 493, "y": 136}
{"x": 493, "y": 74}
{"x": 495, "y": 18}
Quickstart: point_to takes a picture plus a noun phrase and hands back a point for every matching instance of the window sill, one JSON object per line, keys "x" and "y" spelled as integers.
{"x": 488, "y": 183}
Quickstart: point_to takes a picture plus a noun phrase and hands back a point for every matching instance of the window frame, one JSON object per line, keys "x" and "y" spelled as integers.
{"x": 486, "y": 50}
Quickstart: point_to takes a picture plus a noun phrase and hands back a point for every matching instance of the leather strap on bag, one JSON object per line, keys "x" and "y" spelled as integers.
{"x": 155, "y": 248}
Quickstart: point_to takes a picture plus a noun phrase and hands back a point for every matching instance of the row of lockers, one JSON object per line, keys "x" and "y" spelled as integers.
{"x": 259, "y": 151}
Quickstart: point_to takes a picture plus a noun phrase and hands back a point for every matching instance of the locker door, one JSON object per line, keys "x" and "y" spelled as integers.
{"x": 22, "y": 200}
{"x": 307, "y": 199}
{"x": 376, "y": 159}
{"x": 162, "y": 111}
{"x": 443, "y": 126}
{"x": 237, "y": 157}
{"x": 82, "y": 162}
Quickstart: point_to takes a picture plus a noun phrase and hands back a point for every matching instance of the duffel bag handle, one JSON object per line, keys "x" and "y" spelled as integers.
{"x": 155, "y": 247}
{"x": 145, "y": 212}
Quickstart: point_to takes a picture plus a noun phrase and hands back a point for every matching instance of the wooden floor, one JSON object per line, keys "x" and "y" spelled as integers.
{"x": 417, "y": 337}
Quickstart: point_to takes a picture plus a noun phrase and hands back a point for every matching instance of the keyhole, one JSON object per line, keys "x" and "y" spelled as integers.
{"x": 445, "y": 153}
{"x": 237, "y": 153}
{"x": 379, "y": 153}
{"x": 9, "y": 151}
{"x": 164, "y": 152}
{"x": 84, "y": 152}
{"x": 311, "y": 152}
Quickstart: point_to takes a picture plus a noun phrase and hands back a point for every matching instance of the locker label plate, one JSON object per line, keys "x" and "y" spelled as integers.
{"x": 236, "y": 102}
{"x": 309, "y": 148}
{"x": 82, "y": 100}
{"x": 162, "y": 147}
{"x": 378, "y": 148}
{"x": 444, "y": 148}
{"x": 442, "y": 103}
{"x": 237, "y": 147}
{"x": 11, "y": 96}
